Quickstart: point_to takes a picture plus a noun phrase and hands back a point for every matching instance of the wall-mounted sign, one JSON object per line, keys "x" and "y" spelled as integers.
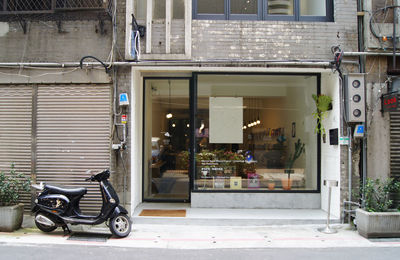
{"x": 390, "y": 102}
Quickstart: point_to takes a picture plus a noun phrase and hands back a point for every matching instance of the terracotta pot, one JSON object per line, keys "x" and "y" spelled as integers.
{"x": 286, "y": 184}
{"x": 271, "y": 185}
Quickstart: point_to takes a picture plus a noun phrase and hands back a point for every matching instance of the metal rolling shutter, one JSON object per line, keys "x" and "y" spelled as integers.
{"x": 16, "y": 131}
{"x": 73, "y": 136}
{"x": 395, "y": 148}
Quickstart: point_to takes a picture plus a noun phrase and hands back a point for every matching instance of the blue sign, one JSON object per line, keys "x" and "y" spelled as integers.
{"x": 360, "y": 129}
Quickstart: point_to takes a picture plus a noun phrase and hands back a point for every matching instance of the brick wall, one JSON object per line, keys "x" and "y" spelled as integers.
{"x": 252, "y": 40}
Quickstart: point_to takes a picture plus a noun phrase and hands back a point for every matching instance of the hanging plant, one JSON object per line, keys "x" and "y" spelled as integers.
{"x": 323, "y": 103}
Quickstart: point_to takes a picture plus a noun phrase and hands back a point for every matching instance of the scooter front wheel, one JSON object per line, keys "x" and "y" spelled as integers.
{"x": 42, "y": 227}
{"x": 121, "y": 225}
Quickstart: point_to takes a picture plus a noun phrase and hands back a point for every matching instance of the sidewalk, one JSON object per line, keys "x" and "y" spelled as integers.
{"x": 207, "y": 237}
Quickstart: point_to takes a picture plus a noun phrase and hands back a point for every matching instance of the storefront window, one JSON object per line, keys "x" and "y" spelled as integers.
{"x": 256, "y": 132}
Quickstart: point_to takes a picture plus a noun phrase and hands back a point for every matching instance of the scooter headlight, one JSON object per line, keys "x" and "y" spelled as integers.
{"x": 112, "y": 200}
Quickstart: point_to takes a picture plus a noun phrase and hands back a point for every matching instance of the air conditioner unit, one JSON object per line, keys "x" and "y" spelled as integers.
{"x": 354, "y": 96}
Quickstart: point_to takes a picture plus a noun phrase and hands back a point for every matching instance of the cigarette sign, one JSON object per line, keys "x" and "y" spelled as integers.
{"x": 390, "y": 102}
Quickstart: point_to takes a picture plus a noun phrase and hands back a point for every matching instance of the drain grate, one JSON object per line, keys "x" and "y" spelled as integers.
{"x": 94, "y": 237}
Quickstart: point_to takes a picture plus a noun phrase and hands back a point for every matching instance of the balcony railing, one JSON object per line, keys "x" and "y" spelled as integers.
{"x": 21, "y": 7}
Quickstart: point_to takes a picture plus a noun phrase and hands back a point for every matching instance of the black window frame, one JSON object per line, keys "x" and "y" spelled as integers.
{"x": 262, "y": 13}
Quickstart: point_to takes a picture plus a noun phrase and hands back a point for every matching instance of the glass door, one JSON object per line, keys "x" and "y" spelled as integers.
{"x": 166, "y": 139}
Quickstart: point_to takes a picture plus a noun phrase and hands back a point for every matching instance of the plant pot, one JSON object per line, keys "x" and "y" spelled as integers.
{"x": 378, "y": 224}
{"x": 271, "y": 185}
{"x": 11, "y": 217}
{"x": 286, "y": 184}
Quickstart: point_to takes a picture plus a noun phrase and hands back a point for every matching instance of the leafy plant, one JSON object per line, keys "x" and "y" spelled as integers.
{"x": 377, "y": 194}
{"x": 298, "y": 150}
{"x": 323, "y": 104}
{"x": 11, "y": 186}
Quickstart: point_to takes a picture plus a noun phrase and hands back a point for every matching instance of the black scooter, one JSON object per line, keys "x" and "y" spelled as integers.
{"x": 56, "y": 207}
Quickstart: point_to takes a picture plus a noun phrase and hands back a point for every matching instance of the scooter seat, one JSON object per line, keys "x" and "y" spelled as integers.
{"x": 64, "y": 191}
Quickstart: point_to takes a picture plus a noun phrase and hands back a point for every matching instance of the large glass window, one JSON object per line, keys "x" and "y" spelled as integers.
{"x": 296, "y": 10}
{"x": 256, "y": 132}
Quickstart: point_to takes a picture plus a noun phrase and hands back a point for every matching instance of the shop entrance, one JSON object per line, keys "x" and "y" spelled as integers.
{"x": 166, "y": 139}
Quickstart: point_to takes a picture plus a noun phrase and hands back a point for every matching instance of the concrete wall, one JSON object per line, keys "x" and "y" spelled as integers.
{"x": 378, "y": 124}
{"x": 330, "y": 154}
{"x": 44, "y": 43}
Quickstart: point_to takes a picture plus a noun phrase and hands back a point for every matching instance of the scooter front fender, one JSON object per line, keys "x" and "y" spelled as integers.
{"x": 35, "y": 208}
{"x": 118, "y": 210}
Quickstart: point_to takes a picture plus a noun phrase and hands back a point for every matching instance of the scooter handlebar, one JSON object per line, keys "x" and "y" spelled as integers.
{"x": 90, "y": 178}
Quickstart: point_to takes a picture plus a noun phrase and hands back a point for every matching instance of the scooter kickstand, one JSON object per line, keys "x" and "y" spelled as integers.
{"x": 66, "y": 230}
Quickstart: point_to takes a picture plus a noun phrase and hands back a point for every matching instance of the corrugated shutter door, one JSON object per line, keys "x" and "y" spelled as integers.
{"x": 395, "y": 148}
{"x": 16, "y": 131}
{"x": 73, "y": 136}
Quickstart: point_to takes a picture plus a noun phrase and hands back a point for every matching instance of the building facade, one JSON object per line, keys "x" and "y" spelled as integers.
{"x": 223, "y": 94}
{"x": 221, "y": 99}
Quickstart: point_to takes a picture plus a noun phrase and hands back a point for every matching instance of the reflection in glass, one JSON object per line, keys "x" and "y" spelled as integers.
{"x": 210, "y": 6}
{"x": 243, "y": 6}
{"x": 313, "y": 7}
{"x": 158, "y": 9}
{"x": 166, "y": 140}
{"x": 178, "y": 9}
{"x": 279, "y": 153}
{"x": 280, "y": 7}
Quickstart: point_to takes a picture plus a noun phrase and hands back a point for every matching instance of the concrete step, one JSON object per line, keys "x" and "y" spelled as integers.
{"x": 232, "y": 217}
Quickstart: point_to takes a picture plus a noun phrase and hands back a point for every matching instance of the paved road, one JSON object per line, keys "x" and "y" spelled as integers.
{"x": 60, "y": 252}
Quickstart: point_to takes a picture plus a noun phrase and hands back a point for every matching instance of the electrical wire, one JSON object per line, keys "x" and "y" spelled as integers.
{"x": 373, "y": 21}
{"x": 38, "y": 76}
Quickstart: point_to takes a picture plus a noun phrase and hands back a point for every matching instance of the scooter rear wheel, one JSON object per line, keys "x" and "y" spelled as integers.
{"x": 42, "y": 227}
{"x": 121, "y": 225}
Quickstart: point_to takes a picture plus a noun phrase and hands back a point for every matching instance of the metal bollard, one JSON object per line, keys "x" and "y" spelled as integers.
{"x": 327, "y": 229}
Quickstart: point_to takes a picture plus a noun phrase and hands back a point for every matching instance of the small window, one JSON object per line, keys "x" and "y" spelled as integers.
{"x": 312, "y": 8}
{"x": 210, "y": 7}
{"x": 293, "y": 10}
{"x": 243, "y": 7}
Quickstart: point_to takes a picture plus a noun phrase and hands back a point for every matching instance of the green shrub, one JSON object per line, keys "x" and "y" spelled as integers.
{"x": 377, "y": 194}
{"x": 11, "y": 186}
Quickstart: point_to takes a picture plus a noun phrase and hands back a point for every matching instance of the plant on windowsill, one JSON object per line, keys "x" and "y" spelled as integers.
{"x": 298, "y": 150}
{"x": 323, "y": 103}
{"x": 271, "y": 183}
{"x": 11, "y": 187}
{"x": 379, "y": 218}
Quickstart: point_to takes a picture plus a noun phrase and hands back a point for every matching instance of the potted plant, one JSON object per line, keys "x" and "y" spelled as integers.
{"x": 298, "y": 150}
{"x": 11, "y": 186}
{"x": 323, "y": 103}
{"x": 378, "y": 219}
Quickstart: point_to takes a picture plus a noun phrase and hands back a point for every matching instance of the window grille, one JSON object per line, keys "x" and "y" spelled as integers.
{"x": 53, "y": 9}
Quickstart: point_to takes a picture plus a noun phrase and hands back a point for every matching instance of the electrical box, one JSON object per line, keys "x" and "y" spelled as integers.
{"x": 123, "y": 99}
{"x": 355, "y": 98}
